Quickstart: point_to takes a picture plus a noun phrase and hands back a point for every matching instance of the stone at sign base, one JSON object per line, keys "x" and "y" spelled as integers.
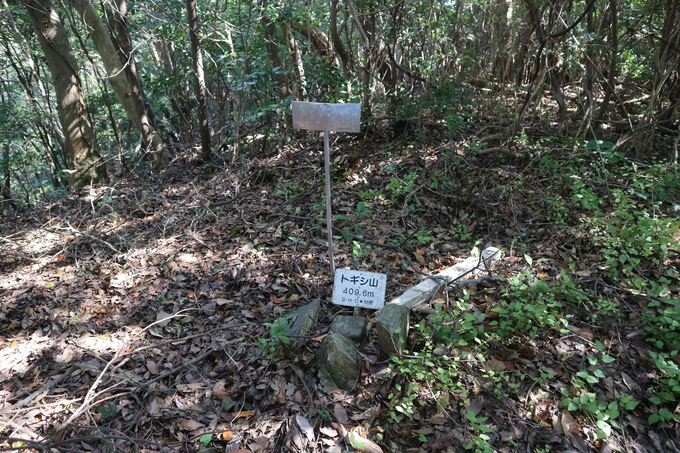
{"x": 337, "y": 362}
{"x": 392, "y": 325}
{"x": 304, "y": 323}
{"x": 353, "y": 327}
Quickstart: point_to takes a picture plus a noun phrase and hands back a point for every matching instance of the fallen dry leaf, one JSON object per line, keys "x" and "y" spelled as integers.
{"x": 571, "y": 431}
{"x": 329, "y": 432}
{"x": 357, "y": 441}
{"x": 152, "y": 366}
{"x": 441, "y": 443}
{"x": 190, "y": 425}
{"x": 305, "y": 426}
{"x": 362, "y": 444}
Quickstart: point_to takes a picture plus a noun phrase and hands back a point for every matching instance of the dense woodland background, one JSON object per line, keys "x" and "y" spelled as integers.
{"x": 161, "y": 223}
{"x": 89, "y": 87}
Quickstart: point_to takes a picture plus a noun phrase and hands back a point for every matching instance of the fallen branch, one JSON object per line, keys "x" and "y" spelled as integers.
{"x": 40, "y": 393}
{"x": 179, "y": 368}
{"x": 81, "y": 233}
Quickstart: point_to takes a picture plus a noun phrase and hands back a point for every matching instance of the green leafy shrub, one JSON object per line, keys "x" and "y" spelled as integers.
{"x": 529, "y": 305}
{"x": 448, "y": 99}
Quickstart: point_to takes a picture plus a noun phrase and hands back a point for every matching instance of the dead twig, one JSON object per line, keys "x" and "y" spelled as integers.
{"x": 179, "y": 368}
{"x": 77, "y": 232}
{"x": 501, "y": 150}
{"x": 38, "y": 394}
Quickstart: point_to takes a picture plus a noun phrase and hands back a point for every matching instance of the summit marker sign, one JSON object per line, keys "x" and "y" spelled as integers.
{"x": 359, "y": 289}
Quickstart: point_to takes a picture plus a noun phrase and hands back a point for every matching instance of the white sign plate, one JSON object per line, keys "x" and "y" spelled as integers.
{"x": 319, "y": 116}
{"x": 359, "y": 289}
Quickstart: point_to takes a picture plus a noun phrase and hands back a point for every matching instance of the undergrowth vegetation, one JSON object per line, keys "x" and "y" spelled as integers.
{"x": 571, "y": 343}
{"x": 599, "y": 237}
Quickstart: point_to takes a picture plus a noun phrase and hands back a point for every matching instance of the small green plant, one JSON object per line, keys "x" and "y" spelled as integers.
{"x": 585, "y": 196}
{"x": 529, "y": 306}
{"x": 108, "y": 410}
{"x": 372, "y": 195}
{"x": 604, "y": 407}
{"x": 461, "y": 233}
{"x": 401, "y": 188}
{"x": 481, "y": 432}
{"x": 325, "y": 414}
{"x": 296, "y": 240}
{"x": 607, "y": 151}
{"x": 662, "y": 324}
{"x": 362, "y": 209}
{"x": 205, "y": 440}
{"x": 629, "y": 237}
{"x": 360, "y": 250}
{"x": 667, "y": 391}
{"x": 289, "y": 189}
{"x": 433, "y": 369}
{"x": 278, "y": 335}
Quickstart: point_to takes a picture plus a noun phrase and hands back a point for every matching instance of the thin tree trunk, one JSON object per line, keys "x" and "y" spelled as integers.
{"x": 271, "y": 43}
{"x": 589, "y": 77}
{"x": 298, "y": 88}
{"x": 45, "y": 121}
{"x": 118, "y": 67}
{"x": 366, "y": 104}
{"x": 665, "y": 53}
{"x": 204, "y": 126}
{"x": 556, "y": 86}
{"x": 337, "y": 42}
{"x": 150, "y": 136}
{"x": 6, "y": 174}
{"x": 84, "y": 161}
{"x": 610, "y": 86}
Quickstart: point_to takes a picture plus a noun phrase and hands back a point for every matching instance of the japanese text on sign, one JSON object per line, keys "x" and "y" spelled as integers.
{"x": 359, "y": 289}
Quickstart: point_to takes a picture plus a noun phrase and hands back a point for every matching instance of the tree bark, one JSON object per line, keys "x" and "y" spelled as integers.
{"x": 119, "y": 67}
{"x": 84, "y": 161}
{"x": 6, "y": 176}
{"x": 320, "y": 42}
{"x": 204, "y": 126}
{"x": 299, "y": 90}
{"x": 337, "y": 41}
{"x": 150, "y": 136}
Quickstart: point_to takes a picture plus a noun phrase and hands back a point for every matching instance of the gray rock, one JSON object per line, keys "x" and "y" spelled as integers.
{"x": 392, "y": 328}
{"x": 337, "y": 362}
{"x": 353, "y": 327}
{"x": 304, "y": 323}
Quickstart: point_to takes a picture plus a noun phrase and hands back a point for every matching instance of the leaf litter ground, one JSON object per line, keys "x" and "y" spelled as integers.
{"x": 133, "y": 314}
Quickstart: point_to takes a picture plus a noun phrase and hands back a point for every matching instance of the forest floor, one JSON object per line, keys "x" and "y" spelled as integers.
{"x": 139, "y": 316}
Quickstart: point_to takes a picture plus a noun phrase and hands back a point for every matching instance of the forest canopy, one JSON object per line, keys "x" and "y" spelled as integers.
{"x": 144, "y": 79}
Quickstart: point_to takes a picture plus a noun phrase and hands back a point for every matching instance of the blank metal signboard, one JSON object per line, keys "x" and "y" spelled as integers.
{"x": 318, "y": 116}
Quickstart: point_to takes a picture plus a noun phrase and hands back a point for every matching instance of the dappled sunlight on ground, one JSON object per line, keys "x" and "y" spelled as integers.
{"x": 144, "y": 312}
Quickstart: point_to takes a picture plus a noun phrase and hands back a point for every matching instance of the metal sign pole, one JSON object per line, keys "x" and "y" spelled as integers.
{"x": 329, "y": 216}
{"x": 324, "y": 117}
